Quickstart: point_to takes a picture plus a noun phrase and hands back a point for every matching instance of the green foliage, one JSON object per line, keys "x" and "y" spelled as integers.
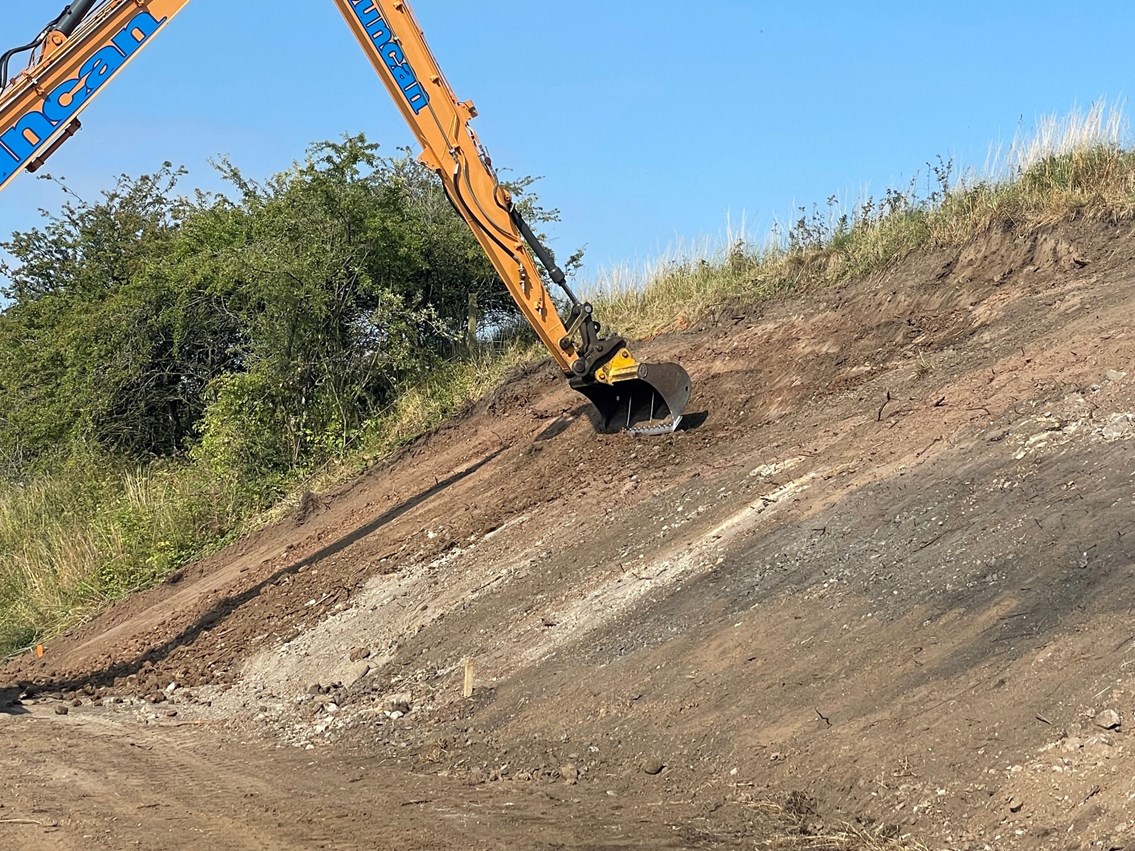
{"x": 241, "y": 440}
{"x": 263, "y": 329}
{"x": 93, "y": 347}
{"x": 95, "y": 529}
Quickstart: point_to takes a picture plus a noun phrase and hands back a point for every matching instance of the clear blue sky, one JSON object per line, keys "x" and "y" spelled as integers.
{"x": 650, "y": 120}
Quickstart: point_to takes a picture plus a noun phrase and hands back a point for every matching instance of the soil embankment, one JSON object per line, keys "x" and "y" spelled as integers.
{"x": 887, "y": 578}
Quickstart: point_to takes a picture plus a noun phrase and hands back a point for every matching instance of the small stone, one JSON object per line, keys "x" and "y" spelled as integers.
{"x": 1121, "y": 425}
{"x": 171, "y": 713}
{"x": 360, "y": 653}
{"x": 1108, "y": 719}
{"x": 171, "y": 688}
{"x": 76, "y": 703}
{"x": 61, "y": 710}
{"x": 1016, "y": 805}
{"x": 570, "y": 773}
{"x": 653, "y": 768}
{"x": 402, "y": 703}
{"x": 316, "y": 688}
{"x": 357, "y": 672}
{"x": 1115, "y": 375}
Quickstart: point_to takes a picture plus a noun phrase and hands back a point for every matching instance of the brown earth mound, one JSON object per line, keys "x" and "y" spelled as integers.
{"x": 887, "y": 579}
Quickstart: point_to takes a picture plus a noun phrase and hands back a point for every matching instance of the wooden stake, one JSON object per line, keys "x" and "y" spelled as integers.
{"x": 468, "y": 678}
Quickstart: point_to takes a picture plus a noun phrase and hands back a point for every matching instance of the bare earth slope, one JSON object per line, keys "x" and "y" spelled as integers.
{"x": 887, "y": 578}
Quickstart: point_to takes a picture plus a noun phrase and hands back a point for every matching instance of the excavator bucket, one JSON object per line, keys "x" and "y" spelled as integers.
{"x": 652, "y": 403}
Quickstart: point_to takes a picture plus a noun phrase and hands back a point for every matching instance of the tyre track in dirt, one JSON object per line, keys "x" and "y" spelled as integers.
{"x": 91, "y": 780}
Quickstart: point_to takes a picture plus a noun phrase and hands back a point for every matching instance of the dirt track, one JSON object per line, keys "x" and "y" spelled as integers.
{"x": 97, "y": 780}
{"x": 887, "y": 579}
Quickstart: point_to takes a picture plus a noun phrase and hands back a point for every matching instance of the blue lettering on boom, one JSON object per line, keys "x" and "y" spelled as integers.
{"x": 19, "y": 143}
{"x": 392, "y": 54}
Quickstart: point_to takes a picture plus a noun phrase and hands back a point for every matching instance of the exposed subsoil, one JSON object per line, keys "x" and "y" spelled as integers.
{"x": 886, "y": 583}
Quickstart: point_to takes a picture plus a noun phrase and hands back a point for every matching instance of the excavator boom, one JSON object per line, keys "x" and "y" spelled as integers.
{"x": 39, "y": 109}
{"x": 92, "y": 40}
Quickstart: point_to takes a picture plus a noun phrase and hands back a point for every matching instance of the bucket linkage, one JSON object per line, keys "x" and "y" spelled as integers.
{"x": 641, "y": 398}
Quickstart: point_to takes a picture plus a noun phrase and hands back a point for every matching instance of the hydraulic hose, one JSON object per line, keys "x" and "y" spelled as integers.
{"x": 67, "y": 22}
{"x": 73, "y": 15}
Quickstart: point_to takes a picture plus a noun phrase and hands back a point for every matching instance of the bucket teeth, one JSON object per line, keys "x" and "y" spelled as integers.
{"x": 651, "y": 404}
{"x": 668, "y": 427}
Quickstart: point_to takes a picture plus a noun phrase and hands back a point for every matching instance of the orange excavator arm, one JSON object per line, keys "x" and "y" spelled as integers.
{"x": 72, "y": 60}
{"x": 76, "y": 55}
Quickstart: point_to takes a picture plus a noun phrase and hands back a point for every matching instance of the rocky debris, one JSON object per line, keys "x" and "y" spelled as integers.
{"x": 550, "y": 701}
{"x": 1108, "y": 719}
{"x": 308, "y": 505}
{"x": 357, "y": 673}
{"x": 61, "y": 710}
{"x": 392, "y": 706}
{"x": 1118, "y": 426}
{"x": 402, "y": 703}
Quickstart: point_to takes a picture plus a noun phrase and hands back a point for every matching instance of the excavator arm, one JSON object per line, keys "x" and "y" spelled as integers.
{"x": 76, "y": 55}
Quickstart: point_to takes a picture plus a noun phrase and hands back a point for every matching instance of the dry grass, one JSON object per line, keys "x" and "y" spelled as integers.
{"x": 1077, "y": 166}
{"x": 94, "y": 531}
{"x": 793, "y": 822}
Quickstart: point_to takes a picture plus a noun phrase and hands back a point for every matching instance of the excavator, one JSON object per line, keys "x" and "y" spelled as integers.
{"x": 76, "y": 55}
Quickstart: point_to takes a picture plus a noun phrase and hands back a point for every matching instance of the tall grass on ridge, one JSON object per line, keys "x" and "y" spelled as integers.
{"x": 1076, "y": 166}
{"x": 96, "y": 530}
